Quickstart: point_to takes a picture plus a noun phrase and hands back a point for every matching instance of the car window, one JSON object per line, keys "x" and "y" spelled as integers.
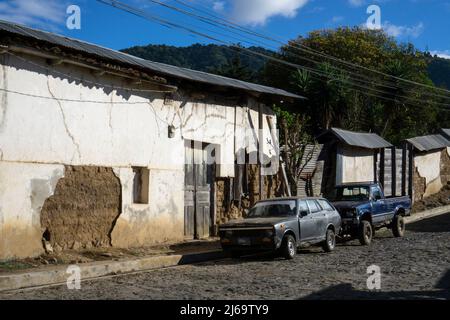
{"x": 376, "y": 193}
{"x": 313, "y": 206}
{"x": 325, "y": 205}
{"x": 303, "y": 206}
{"x": 280, "y": 208}
{"x": 352, "y": 193}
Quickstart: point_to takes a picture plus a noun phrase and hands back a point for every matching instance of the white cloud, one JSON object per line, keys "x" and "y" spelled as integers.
{"x": 337, "y": 19}
{"x": 356, "y": 3}
{"x": 219, "y": 6}
{"x": 39, "y": 13}
{"x": 442, "y": 54}
{"x": 257, "y": 12}
{"x": 403, "y": 31}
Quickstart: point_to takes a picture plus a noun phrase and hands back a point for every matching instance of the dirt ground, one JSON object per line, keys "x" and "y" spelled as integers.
{"x": 439, "y": 199}
{"x": 109, "y": 253}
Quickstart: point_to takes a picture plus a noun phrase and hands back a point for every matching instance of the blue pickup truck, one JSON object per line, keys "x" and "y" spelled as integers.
{"x": 364, "y": 209}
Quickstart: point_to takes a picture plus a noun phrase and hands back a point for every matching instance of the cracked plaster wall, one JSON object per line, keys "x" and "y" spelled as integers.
{"x": 114, "y": 128}
{"x": 23, "y": 190}
{"x": 428, "y": 166}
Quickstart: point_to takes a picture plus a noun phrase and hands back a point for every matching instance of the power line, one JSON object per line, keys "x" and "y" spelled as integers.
{"x": 69, "y": 100}
{"x": 379, "y": 82}
{"x": 98, "y": 84}
{"x": 308, "y": 49}
{"x": 258, "y": 42}
{"x": 145, "y": 15}
{"x": 317, "y": 76}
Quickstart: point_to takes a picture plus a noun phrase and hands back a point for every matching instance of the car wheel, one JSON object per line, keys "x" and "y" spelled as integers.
{"x": 398, "y": 226}
{"x": 330, "y": 241}
{"x": 365, "y": 233}
{"x": 289, "y": 247}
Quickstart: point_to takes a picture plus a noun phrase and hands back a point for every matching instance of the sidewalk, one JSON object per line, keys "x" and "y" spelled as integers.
{"x": 117, "y": 261}
{"x": 427, "y": 214}
{"x": 110, "y": 261}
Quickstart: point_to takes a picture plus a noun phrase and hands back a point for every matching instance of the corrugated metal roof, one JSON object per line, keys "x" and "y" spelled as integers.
{"x": 358, "y": 139}
{"x": 155, "y": 67}
{"x": 446, "y": 133}
{"x": 309, "y": 159}
{"x": 428, "y": 143}
{"x": 309, "y": 162}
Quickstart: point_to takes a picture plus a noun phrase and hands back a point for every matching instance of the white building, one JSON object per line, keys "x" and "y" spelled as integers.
{"x": 431, "y": 169}
{"x": 101, "y": 148}
{"x": 349, "y": 157}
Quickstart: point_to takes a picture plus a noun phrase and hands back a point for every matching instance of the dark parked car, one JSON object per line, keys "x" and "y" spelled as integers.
{"x": 282, "y": 225}
{"x": 364, "y": 209}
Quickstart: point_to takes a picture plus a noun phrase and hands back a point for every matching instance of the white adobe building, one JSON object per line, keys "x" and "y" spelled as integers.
{"x": 101, "y": 148}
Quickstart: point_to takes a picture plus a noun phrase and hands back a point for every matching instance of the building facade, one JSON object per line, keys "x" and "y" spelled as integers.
{"x": 431, "y": 164}
{"x": 99, "y": 148}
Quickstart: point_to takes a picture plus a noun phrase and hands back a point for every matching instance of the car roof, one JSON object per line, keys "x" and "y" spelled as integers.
{"x": 291, "y": 198}
{"x": 356, "y": 184}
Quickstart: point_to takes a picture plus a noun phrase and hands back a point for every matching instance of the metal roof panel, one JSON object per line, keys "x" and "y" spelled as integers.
{"x": 430, "y": 142}
{"x": 161, "y": 68}
{"x": 359, "y": 139}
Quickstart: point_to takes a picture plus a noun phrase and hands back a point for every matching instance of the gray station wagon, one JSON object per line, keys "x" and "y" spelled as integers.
{"x": 282, "y": 225}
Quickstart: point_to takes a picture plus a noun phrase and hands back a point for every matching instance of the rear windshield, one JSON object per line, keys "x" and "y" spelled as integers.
{"x": 357, "y": 193}
{"x": 280, "y": 208}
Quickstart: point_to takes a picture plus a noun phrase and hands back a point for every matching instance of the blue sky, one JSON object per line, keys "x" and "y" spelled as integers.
{"x": 425, "y": 23}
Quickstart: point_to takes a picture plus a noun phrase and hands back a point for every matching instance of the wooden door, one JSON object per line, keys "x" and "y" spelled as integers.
{"x": 198, "y": 178}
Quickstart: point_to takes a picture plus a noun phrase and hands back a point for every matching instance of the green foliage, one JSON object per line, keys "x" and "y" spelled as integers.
{"x": 235, "y": 69}
{"x": 439, "y": 70}
{"x": 294, "y": 138}
{"x": 223, "y": 60}
{"x": 337, "y": 97}
{"x": 331, "y": 98}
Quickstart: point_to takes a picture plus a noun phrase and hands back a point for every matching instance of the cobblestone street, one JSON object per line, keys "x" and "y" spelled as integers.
{"x": 416, "y": 266}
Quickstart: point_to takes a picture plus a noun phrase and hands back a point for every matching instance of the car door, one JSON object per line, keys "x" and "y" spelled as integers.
{"x": 319, "y": 217}
{"x": 378, "y": 205}
{"x": 328, "y": 212}
{"x": 306, "y": 221}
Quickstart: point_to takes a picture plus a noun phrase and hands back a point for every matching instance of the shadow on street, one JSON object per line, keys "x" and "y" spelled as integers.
{"x": 345, "y": 291}
{"x": 436, "y": 224}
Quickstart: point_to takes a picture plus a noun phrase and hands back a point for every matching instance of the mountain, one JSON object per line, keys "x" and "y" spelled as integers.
{"x": 439, "y": 71}
{"x": 218, "y": 59}
{"x": 237, "y": 63}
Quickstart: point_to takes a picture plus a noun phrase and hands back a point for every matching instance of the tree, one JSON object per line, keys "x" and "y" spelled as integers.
{"x": 294, "y": 139}
{"x": 235, "y": 69}
{"x": 345, "y": 96}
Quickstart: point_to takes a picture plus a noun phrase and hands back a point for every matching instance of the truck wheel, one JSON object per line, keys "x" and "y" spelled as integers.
{"x": 289, "y": 247}
{"x": 330, "y": 241}
{"x": 398, "y": 226}
{"x": 365, "y": 233}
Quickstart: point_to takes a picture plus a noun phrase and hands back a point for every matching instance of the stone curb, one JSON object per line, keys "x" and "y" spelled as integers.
{"x": 427, "y": 214}
{"x": 59, "y": 275}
